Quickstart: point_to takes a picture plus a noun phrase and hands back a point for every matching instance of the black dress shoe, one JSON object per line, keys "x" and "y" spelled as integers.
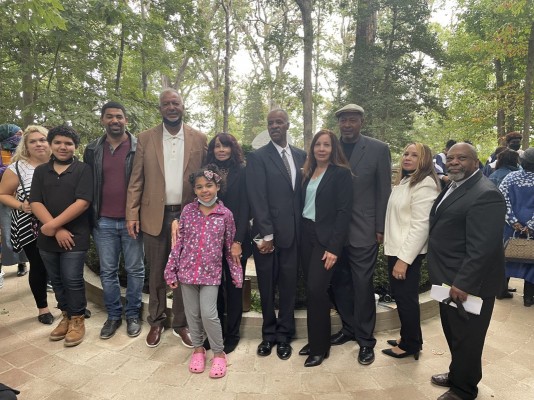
{"x": 313, "y": 361}
{"x": 512, "y": 290}
{"x": 21, "y": 269}
{"x": 441, "y": 380}
{"x": 230, "y": 345}
{"x": 265, "y": 348}
{"x": 109, "y": 328}
{"x": 449, "y": 395}
{"x": 133, "y": 327}
{"x": 283, "y": 350}
{"x": 305, "y": 351}
{"x": 528, "y": 301}
{"x": 340, "y": 338}
{"x": 392, "y": 342}
{"x": 505, "y": 295}
{"x": 391, "y": 353}
{"x": 366, "y": 355}
{"x": 47, "y": 318}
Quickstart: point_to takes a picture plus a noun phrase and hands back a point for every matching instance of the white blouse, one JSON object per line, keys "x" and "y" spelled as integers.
{"x": 407, "y": 219}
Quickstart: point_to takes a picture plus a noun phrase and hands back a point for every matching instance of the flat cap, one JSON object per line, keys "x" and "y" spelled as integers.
{"x": 350, "y": 108}
{"x": 528, "y": 155}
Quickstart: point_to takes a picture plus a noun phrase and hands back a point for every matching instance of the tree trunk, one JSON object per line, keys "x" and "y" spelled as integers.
{"x": 144, "y": 72}
{"x": 226, "y": 92}
{"x": 307, "y": 100}
{"x": 527, "y": 105}
{"x": 119, "y": 64}
{"x": 500, "y": 111}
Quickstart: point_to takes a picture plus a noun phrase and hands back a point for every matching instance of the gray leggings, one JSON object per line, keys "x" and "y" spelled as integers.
{"x": 200, "y": 305}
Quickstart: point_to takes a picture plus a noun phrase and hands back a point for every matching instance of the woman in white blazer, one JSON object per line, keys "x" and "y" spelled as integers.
{"x": 405, "y": 242}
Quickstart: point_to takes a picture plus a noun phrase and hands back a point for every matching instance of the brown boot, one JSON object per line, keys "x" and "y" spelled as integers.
{"x": 61, "y": 329}
{"x": 76, "y": 331}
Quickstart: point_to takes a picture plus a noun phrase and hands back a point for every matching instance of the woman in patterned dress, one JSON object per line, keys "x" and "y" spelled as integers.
{"x": 518, "y": 191}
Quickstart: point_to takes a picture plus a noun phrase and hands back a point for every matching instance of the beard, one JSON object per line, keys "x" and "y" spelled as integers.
{"x": 456, "y": 176}
{"x": 172, "y": 123}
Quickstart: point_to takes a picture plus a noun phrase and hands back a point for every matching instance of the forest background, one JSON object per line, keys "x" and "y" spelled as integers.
{"x": 424, "y": 71}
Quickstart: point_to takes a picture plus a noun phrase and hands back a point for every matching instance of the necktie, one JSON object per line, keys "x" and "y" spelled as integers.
{"x": 286, "y": 163}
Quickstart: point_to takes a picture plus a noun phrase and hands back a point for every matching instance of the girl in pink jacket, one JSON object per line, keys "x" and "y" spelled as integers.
{"x": 207, "y": 232}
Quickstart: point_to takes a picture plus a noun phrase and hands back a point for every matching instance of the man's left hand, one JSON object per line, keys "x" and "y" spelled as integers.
{"x": 379, "y": 237}
{"x": 458, "y": 294}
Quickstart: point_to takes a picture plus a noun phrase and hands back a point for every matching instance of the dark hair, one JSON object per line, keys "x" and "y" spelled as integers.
{"x": 63, "y": 130}
{"x": 337, "y": 157}
{"x": 499, "y": 150}
{"x": 112, "y": 104}
{"x": 507, "y": 158}
{"x": 226, "y": 140}
{"x": 527, "y": 165}
{"x": 450, "y": 143}
{"x": 205, "y": 172}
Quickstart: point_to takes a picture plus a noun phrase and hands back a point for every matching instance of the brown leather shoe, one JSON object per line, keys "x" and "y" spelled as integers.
{"x": 61, "y": 329}
{"x": 441, "y": 380}
{"x": 154, "y": 336}
{"x": 449, "y": 395}
{"x": 76, "y": 331}
{"x": 185, "y": 337}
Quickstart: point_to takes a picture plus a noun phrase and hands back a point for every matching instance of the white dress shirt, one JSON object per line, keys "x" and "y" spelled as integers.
{"x": 173, "y": 160}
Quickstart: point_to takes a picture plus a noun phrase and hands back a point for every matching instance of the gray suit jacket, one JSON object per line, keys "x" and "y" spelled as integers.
{"x": 370, "y": 163}
{"x": 465, "y": 246}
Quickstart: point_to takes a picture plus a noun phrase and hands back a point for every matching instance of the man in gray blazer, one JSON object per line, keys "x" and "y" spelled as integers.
{"x": 465, "y": 252}
{"x": 352, "y": 284}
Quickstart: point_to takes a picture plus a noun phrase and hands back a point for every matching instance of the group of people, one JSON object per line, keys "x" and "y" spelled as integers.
{"x": 197, "y": 212}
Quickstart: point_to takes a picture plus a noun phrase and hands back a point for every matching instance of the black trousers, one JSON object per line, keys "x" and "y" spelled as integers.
{"x": 466, "y": 342}
{"x": 406, "y": 293}
{"x": 317, "y": 282}
{"x": 230, "y": 298}
{"x": 38, "y": 275}
{"x": 353, "y": 293}
{"x": 277, "y": 270}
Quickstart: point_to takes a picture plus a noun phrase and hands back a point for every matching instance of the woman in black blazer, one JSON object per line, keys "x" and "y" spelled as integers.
{"x": 326, "y": 215}
{"x": 225, "y": 152}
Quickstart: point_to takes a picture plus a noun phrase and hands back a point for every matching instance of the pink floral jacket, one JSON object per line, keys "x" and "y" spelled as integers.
{"x": 196, "y": 259}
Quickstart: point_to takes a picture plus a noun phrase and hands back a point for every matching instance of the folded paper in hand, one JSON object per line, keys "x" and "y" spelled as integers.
{"x": 472, "y": 305}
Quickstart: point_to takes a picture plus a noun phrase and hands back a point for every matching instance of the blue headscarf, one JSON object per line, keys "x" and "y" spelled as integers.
{"x": 8, "y": 138}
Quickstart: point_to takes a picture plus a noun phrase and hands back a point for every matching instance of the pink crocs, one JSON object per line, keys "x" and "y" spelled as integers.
{"x": 197, "y": 364}
{"x": 218, "y": 367}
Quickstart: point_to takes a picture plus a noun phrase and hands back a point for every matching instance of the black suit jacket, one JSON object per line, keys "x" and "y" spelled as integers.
{"x": 235, "y": 199}
{"x": 333, "y": 204}
{"x": 465, "y": 242}
{"x": 274, "y": 205}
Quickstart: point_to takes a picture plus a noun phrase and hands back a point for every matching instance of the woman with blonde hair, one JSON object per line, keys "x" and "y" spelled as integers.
{"x": 32, "y": 151}
{"x": 405, "y": 242}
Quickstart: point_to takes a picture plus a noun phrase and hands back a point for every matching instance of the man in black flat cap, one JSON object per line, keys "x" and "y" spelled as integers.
{"x": 352, "y": 284}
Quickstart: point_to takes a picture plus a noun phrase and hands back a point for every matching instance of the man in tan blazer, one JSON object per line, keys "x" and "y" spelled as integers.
{"x": 159, "y": 187}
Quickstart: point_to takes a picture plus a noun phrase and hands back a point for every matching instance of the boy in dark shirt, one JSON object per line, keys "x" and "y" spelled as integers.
{"x": 61, "y": 193}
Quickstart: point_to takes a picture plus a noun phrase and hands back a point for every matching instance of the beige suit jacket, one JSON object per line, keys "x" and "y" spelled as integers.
{"x": 145, "y": 201}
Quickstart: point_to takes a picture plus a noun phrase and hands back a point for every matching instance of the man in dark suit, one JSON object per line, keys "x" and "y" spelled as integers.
{"x": 159, "y": 186}
{"x": 352, "y": 284}
{"x": 465, "y": 252}
{"x": 273, "y": 178}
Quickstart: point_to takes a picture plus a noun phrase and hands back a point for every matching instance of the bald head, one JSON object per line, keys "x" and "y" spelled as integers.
{"x": 462, "y": 161}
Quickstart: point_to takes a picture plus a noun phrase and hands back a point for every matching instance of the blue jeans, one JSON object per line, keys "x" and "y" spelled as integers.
{"x": 111, "y": 238}
{"x": 65, "y": 271}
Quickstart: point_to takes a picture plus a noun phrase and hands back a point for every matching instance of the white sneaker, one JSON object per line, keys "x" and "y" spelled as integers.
{"x": 2, "y": 279}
